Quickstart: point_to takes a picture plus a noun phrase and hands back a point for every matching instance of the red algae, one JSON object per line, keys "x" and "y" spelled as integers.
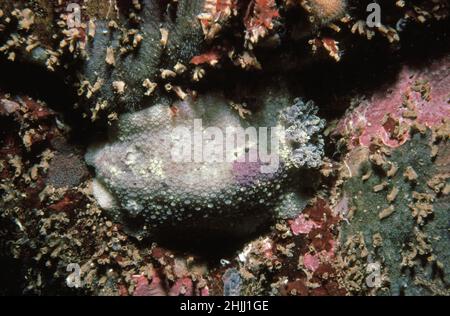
{"x": 416, "y": 96}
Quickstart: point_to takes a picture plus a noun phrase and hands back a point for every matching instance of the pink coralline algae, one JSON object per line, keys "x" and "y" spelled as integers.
{"x": 301, "y": 225}
{"x": 182, "y": 287}
{"x": 320, "y": 222}
{"x": 311, "y": 262}
{"x": 146, "y": 288}
{"x": 156, "y": 287}
{"x": 417, "y": 95}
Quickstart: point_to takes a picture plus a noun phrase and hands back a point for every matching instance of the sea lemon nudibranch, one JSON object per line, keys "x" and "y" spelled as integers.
{"x": 173, "y": 168}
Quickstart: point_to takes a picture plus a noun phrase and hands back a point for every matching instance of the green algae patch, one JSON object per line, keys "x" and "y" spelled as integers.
{"x": 397, "y": 239}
